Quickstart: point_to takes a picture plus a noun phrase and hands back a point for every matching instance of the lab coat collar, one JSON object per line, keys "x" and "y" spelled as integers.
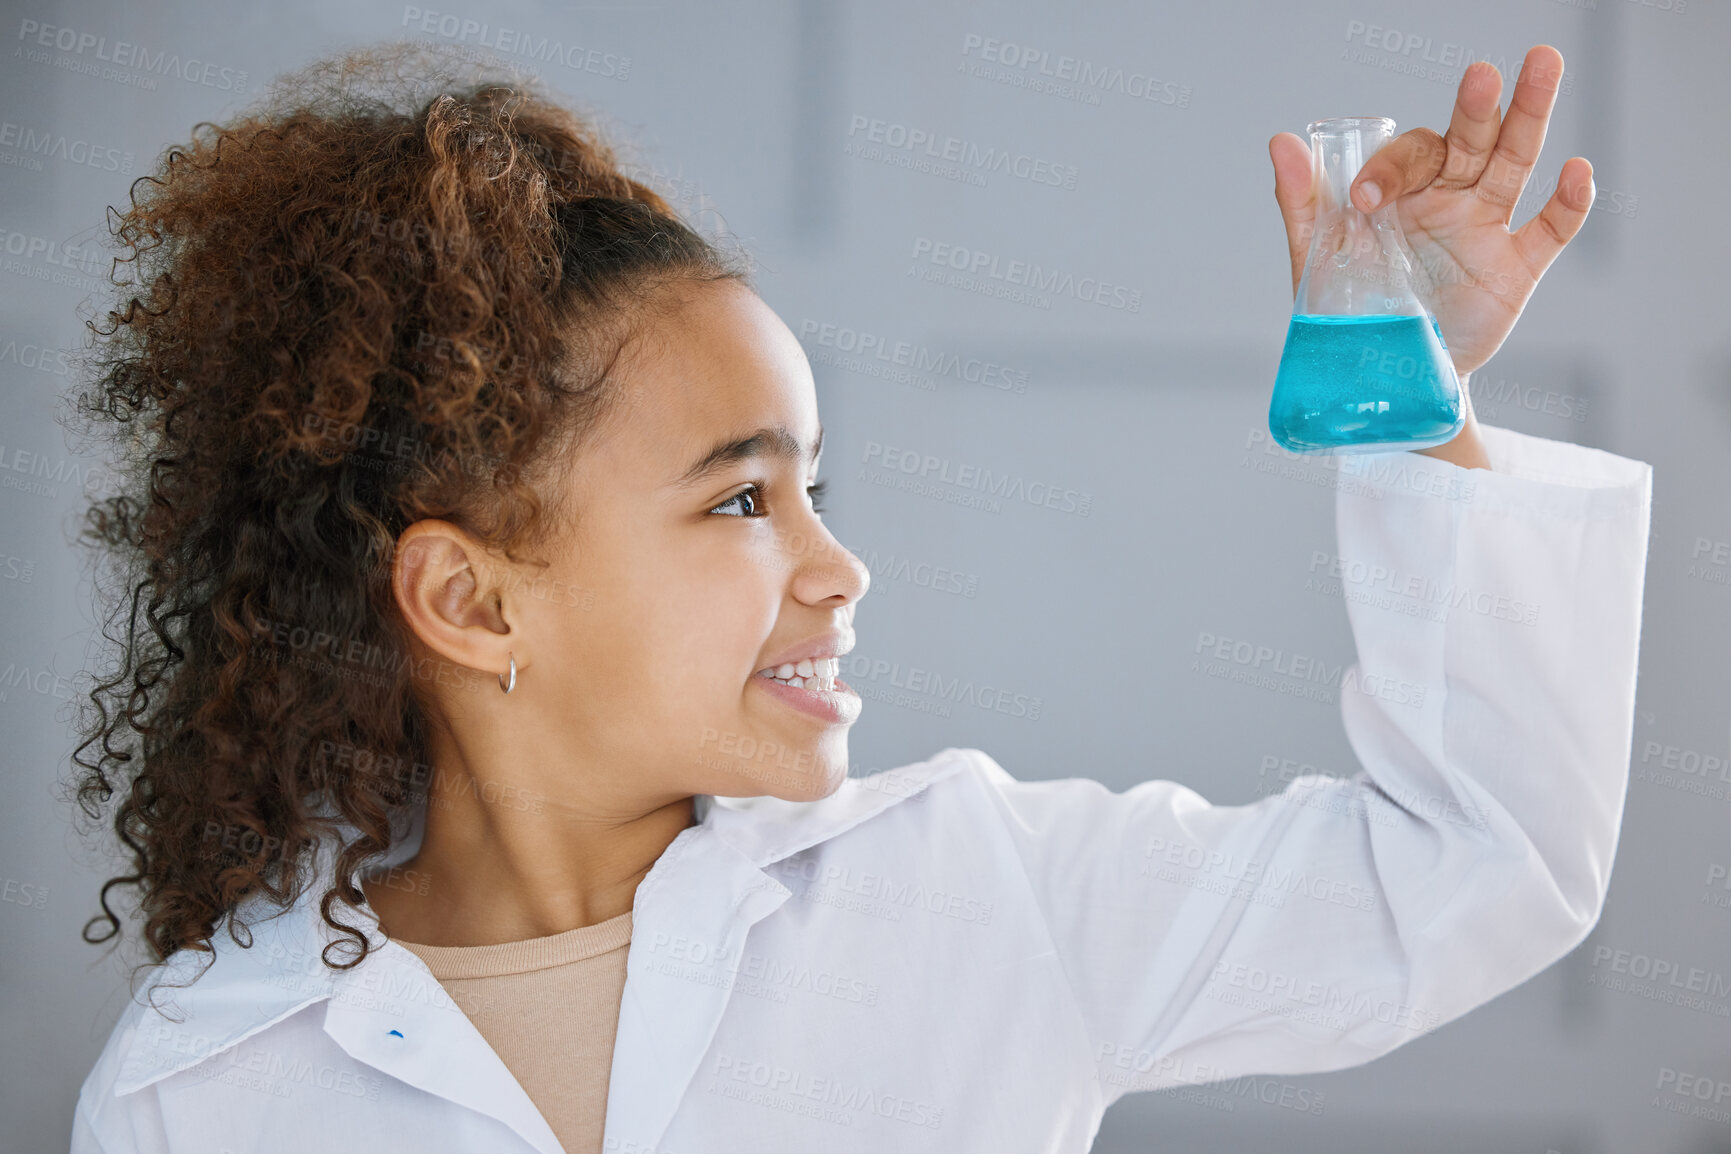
{"x": 709, "y": 885}
{"x": 767, "y": 829}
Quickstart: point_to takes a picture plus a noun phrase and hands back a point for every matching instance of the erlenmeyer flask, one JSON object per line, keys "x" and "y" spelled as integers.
{"x": 1365, "y": 369}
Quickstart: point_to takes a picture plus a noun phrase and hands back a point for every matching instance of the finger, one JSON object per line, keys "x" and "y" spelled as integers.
{"x": 1540, "y": 239}
{"x": 1292, "y": 192}
{"x": 1523, "y": 131}
{"x": 1405, "y": 164}
{"x": 1473, "y": 127}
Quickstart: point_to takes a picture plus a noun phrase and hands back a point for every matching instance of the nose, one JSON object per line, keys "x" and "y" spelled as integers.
{"x": 824, "y": 573}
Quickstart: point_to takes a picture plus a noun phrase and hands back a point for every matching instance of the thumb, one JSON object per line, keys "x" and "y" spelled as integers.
{"x": 1292, "y": 192}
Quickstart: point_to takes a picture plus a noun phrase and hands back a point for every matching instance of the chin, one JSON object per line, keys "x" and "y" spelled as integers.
{"x": 819, "y": 783}
{"x": 804, "y": 775}
{"x": 748, "y": 767}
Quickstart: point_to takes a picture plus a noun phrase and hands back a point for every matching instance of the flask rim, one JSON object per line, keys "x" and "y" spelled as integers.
{"x": 1342, "y": 124}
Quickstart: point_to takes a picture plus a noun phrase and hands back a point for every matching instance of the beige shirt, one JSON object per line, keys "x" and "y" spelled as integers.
{"x": 549, "y": 1007}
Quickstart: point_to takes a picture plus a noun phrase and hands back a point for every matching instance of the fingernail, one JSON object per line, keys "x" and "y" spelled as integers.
{"x": 1372, "y": 194}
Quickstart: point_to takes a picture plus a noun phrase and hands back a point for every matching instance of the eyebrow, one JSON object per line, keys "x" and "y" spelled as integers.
{"x": 769, "y": 441}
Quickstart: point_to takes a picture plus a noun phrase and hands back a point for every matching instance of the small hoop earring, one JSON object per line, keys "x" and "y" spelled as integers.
{"x": 512, "y": 684}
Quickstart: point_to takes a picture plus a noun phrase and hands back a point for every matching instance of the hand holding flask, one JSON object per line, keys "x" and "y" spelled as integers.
{"x": 1364, "y": 368}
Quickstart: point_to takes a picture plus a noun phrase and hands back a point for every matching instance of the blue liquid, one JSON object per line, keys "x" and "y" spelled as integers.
{"x": 1364, "y": 384}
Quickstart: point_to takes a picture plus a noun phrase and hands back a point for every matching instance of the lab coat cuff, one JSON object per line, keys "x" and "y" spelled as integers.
{"x": 1529, "y": 477}
{"x": 1545, "y": 472}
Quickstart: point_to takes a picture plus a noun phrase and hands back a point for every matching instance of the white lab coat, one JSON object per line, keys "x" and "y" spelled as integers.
{"x": 943, "y": 958}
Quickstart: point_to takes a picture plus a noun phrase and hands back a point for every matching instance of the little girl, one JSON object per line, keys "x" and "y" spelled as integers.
{"x": 476, "y": 736}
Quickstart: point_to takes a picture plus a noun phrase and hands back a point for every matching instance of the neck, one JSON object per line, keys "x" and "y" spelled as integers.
{"x": 501, "y": 861}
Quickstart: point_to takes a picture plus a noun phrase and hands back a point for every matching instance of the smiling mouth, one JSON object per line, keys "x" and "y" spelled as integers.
{"x": 811, "y": 673}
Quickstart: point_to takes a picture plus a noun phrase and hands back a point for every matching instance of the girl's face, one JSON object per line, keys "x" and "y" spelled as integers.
{"x": 692, "y": 561}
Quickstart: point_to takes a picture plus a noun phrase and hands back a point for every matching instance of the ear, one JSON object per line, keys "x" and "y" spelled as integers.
{"x": 447, "y": 589}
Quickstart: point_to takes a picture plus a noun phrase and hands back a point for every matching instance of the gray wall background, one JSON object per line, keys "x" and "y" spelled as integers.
{"x": 741, "y": 114}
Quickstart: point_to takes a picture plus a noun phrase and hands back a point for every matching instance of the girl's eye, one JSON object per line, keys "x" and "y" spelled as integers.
{"x": 748, "y": 502}
{"x": 744, "y": 503}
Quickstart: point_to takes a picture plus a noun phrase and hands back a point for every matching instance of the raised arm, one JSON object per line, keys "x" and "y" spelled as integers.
{"x": 1492, "y": 711}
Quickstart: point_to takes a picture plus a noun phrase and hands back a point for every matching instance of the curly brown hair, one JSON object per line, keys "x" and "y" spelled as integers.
{"x": 396, "y": 288}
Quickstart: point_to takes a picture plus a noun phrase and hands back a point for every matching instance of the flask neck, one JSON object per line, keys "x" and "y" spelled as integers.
{"x": 1358, "y": 264}
{"x": 1338, "y": 150}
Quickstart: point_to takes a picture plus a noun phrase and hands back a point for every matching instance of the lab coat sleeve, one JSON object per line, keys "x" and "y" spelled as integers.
{"x": 84, "y": 1139}
{"x": 104, "y": 1123}
{"x": 1491, "y": 710}
{"x": 129, "y": 1124}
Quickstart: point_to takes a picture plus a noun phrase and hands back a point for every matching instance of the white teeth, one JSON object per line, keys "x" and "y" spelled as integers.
{"x": 826, "y": 683}
{"x": 809, "y": 673}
